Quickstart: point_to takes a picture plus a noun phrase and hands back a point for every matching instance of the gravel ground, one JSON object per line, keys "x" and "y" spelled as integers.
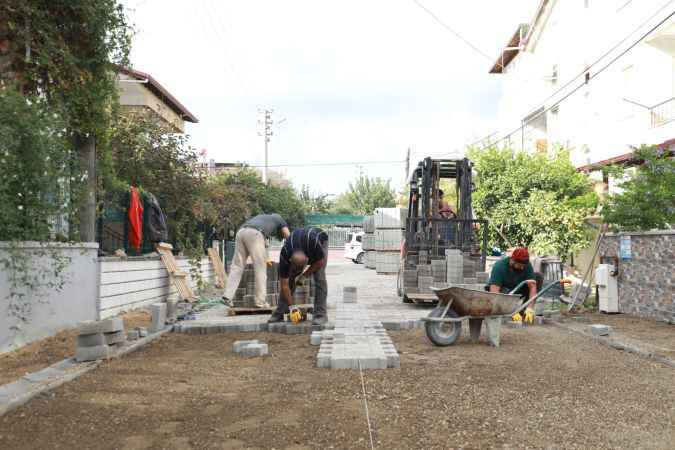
{"x": 544, "y": 388}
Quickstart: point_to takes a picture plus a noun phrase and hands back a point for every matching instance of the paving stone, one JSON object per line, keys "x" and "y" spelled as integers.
{"x": 315, "y": 338}
{"x": 92, "y": 353}
{"x": 91, "y": 340}
{"x": 101, "y": 326}
{"x": 514, "y": 324}
{"x": 600, "y": 330}
{"x": 239, "y": 345}
{"x": 115, "y": 338}
{"x": 158, "y": 313}
{"x": 253, "y": 350}
{"x": 133, "y": 335}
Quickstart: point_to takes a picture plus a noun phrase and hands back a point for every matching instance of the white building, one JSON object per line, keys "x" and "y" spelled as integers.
{"x": 629, "y": 103}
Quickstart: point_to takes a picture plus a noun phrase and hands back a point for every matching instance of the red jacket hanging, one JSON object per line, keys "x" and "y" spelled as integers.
{"x": 135, "y": 219}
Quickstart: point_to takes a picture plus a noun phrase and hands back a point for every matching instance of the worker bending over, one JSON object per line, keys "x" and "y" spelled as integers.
{"x": 250, "y": 241}
{"x": 510, "y": 271}
{"x": 304, "y": 254}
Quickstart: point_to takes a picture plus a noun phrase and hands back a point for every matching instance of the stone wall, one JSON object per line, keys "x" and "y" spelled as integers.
{"x": 646, "y": 281}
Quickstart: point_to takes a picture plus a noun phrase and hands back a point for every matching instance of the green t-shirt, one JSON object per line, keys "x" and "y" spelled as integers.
{"x": 504, "y": 276}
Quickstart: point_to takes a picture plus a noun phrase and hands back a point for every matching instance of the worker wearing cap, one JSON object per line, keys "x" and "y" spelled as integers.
{"x": 304, "y": 254}
{"x": 251, "y": 241}
{"x": 510, "y": 271}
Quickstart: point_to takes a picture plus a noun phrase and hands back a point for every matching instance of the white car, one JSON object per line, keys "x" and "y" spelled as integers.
{"x": 354, "y": 247}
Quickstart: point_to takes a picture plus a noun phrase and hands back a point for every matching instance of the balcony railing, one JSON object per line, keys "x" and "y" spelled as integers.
{"x": 662, "y": 113}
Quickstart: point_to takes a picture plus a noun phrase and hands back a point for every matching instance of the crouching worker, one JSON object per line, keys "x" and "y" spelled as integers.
{"x": 304, "y": 254}
{"x": 509, "y": 272}
{"x": 250, "y": 241}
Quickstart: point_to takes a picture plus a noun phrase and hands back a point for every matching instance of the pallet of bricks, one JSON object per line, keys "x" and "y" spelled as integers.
{"x": 389, "y": 225}
{"x": 245, "y": 294}
{"x": 368, "y": 243}
{"x": 422, "y": 271}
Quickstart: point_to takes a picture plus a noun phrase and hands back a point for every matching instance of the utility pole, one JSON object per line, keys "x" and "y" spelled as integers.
{"x": 407, "y": 167}
{"x": 266, "y": 134}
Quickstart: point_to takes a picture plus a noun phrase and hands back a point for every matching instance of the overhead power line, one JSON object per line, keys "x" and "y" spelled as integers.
{"x": 333, "y": 164}
{"x": 456, "y": 34}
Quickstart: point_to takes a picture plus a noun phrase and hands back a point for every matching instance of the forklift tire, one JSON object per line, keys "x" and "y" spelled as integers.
{"x": 443, "y": 334}
{"x": 359, "y": 258}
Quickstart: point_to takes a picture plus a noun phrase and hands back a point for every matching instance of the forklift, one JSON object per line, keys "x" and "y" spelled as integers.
{"x": 427, "y": 233}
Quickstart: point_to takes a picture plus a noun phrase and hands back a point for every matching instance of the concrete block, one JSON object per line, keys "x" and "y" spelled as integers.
{"x": 91, "y": 340}
{"x": 349, "y": 294}
{"x": 101, "y": 326}
{"x": 315, "y": 338}
{"x": 132, "y": 335}
{"x": 114, "y": 338}
{"x": 393, "y": 361}
{"x": 239, "y": 345}
{"x": 158, "y": 312}
{"x": 92, "y": 353}
{"x": 142, "y": 332}
{"x": 254, "y": 350}
{"x": 600, "y": 330}
{"x": 493, "y": 327}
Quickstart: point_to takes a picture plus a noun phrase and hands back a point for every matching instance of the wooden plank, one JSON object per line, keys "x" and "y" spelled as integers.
{"x": 218, "y": 268}
{"x": 178, "y": 278}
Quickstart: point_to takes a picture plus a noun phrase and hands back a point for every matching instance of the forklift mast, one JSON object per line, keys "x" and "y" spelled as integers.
{"x": 425, "y": 229}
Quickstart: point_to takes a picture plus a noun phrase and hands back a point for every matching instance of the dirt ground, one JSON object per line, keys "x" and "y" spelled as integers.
{"x": 544, "y": 388}
{"x": 660, "y": 335}
{"x": 45, "y": 352}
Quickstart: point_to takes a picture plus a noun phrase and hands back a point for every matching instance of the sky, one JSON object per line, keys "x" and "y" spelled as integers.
{"x": 354, "y": 81}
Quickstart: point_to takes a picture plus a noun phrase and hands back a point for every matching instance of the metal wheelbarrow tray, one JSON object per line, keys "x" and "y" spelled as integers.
{"x": 443, "y": 325}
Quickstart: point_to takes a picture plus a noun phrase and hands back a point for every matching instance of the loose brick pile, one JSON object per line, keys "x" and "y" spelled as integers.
{"x": 97, "y": 339}
{"x": 245, "y": 294}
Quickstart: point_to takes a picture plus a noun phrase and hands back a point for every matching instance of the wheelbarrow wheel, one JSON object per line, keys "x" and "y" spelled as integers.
{"x": 443, "y": 334}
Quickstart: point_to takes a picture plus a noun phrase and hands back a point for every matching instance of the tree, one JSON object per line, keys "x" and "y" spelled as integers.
{"x": 314, "y": 203}
{"x": 534, "y": 200}
{"x": 648, "y": 197}
{"x": 148, "y": 154}
{"x": 366, "y": 194}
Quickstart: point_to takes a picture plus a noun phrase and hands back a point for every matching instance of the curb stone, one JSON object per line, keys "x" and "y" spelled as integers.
{"x": 21, "y": 391}
{"x": 619, "y": 345}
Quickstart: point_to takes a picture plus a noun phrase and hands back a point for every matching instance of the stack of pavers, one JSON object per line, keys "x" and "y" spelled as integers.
{"x": 438, "y": 272}
{"x": 425, "y": 278}
{"x": 98, "y": 339}
{"x": 389, "y": 224}
{"x": 368, "y": 242}
{"x": 357, "y": 341}
{"x": 245, "y": 294}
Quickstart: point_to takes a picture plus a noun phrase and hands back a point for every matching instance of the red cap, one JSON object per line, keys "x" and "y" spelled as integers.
{"x": 521, "y": 255}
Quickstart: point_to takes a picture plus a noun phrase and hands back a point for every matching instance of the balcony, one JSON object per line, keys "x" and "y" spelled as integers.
{"x": 662, "y": 113}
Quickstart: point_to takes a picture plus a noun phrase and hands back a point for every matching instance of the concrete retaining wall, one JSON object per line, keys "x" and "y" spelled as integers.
{"x": 137, "y": 282}
{"x": 56, "y": 310}
{"x": 646, "y": 281}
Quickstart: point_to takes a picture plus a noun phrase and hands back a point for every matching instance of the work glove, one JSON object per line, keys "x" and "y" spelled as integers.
{"x": 269, "y": 263}
{"x": 517, "y": 317}
{"x": 529, "y": 315}
{"x": 295, "y": 314}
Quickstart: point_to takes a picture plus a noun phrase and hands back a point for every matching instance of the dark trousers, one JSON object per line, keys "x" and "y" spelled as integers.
{"x": 320, "y": 287}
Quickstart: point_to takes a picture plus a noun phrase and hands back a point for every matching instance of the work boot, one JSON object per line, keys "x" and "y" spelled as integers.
{"x": 319, "y": 320}
{"x": 275, "y": 318}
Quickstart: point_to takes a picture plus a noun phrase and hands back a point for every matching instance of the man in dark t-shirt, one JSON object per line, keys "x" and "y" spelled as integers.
{"x": 510, "y": 271}
{"x": 250, "y": 241}
{"x": 304, "y": 254}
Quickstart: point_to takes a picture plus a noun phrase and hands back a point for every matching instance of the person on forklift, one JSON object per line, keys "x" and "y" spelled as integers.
{"x": 510, "y": 271}
{"x": 447, "y": 230}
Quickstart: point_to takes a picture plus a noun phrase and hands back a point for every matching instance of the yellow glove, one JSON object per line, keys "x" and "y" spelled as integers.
{"x": 517, "y": 317}
{"x": 529, "y": 315}
{"x": 295, "y": 315}
{"x": 269, "y": 263}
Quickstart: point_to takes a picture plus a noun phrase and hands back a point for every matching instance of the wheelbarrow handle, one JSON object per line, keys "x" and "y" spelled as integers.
{"x": 539, "y": 294}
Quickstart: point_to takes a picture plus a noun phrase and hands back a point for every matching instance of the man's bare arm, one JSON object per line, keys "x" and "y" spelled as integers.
{"x": 286, "y": 290}
{"x": 285, "y": 232}
{"x": 319, "y": 264}
{"x": 495, "y": 289}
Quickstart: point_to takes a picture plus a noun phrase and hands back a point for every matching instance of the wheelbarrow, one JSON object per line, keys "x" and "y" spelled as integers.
{"x": 455, "y": 304}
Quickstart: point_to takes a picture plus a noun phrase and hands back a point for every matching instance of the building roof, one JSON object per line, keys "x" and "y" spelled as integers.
{"x": 512, "y": 48}
{"x": 162, "y": 93}
{"x": 628, "y": 159}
